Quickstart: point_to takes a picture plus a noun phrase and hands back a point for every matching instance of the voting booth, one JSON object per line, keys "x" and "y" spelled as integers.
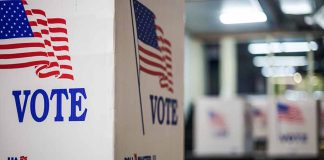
{"x": 320, "y": 103}
{"x": 293, "y": 128}
{"x": 259, "y": 105}
{"x": 220, "y": 127}
{"x": 91, "y": 79}
{"x": 321, "y": 119}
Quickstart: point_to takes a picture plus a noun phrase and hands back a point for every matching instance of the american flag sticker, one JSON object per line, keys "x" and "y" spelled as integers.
{"x": 289, "y": 113}
{"x": 218, "y": 122}
{"x": 217, "y": 119}
{"x": 30, "y": 38}
{"x": 155, "y": 56}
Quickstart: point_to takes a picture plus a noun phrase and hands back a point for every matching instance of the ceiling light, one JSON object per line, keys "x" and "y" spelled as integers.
{"x": 278, "y": 71}
{"x": 287, "y": 47}
{"x": 236, "y": 12}
{"x": 296, "y": 7}
{"x": 242, "y": 17}
{"x": 264, "y": 61}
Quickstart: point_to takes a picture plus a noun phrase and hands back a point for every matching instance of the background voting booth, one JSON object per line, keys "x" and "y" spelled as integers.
{"x": 321, "y": 118}
{"x": 91, "y": 80}
{"x": 259, "y": 108}
{"x": 220, "y": 127}
{"x": 293, "y": 128}
{"x": 321, "y": 123}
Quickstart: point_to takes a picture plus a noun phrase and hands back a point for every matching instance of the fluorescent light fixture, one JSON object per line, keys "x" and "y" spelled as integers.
{"x": 236, "y": 12}
{"x": 243, "y": 17}
{"x": 278, "y": 71}
{"x": 287, "y": 47}
{"x": 299, "y": 46}
{"x": 263, "y": 61}
{"x": 296, "y": 7}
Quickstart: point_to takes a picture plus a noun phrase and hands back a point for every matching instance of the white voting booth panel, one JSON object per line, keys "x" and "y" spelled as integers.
{"x": 75, "y": 83}
{"x": 292, "y": 128}
{"x": 219, "y": 127}
{"x": 259, "y": 107}
{"x": 149, "y": 103}
{"x": 321, "y": 119}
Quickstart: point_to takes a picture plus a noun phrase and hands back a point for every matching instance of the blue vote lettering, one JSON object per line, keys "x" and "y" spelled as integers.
{"x": 78, "y": 112}
{"x": 164, "y": 110}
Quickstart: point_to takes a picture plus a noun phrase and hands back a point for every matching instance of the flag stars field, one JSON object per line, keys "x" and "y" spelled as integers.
{"x": 12, "y": 28}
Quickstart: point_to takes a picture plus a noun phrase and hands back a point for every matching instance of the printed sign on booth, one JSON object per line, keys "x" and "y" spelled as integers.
{"x": 292, "y": 128}
{"x": 220, "y": 127}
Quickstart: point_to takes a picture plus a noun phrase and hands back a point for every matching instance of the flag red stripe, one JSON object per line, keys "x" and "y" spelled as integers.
{"x": 61, "y": 48}
{"x": 166, "y": 85}
{"x": 168, "y": 58}
{"x": 56, "y": 20}
{"x": 50, "y": 54}
{"x": 28, "y": 12}
{"x": 66, "y": 76}
{"x": 57, "y": 39}
{"x": 44, "y": 31}
{"x": 37, "y": 34}
{"x": 159, "y": 29}
{"x": 32, "y": 23}
{"x": 165, "y": 78}
{"x": 22, "y": 65}
{"x": 66, "y": 67}
{"x": 65, "y": 57}
{"x": 154, "y": 73}
{"x": 170, "y": 74}
{"x": 47, "y": 42}
{"x": 163, "y": 40}
{"x": 169, "y": 65}
{"x": 165, "y": 49}
{"x": 21, "y": 45}
{"x": 22, "y": 55}
{"x": 48, "y": 74}
{"x": 167, "y": 42}
{"x": 38, "y": 11}
{"x": 51, "y": 65}
{"x": 42, "y": 22}
{"x": 58, "y": 30}
{"x": 40, "y": 68}
{"x": 24, "y": 2}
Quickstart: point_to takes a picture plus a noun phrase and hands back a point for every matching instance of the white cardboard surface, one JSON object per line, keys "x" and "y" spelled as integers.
{"x": 259, "y": 113}
{"x": 216, "y": 138}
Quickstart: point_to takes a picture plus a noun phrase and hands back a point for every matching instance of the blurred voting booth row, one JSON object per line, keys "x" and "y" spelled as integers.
{"x": 278, "y": 127}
